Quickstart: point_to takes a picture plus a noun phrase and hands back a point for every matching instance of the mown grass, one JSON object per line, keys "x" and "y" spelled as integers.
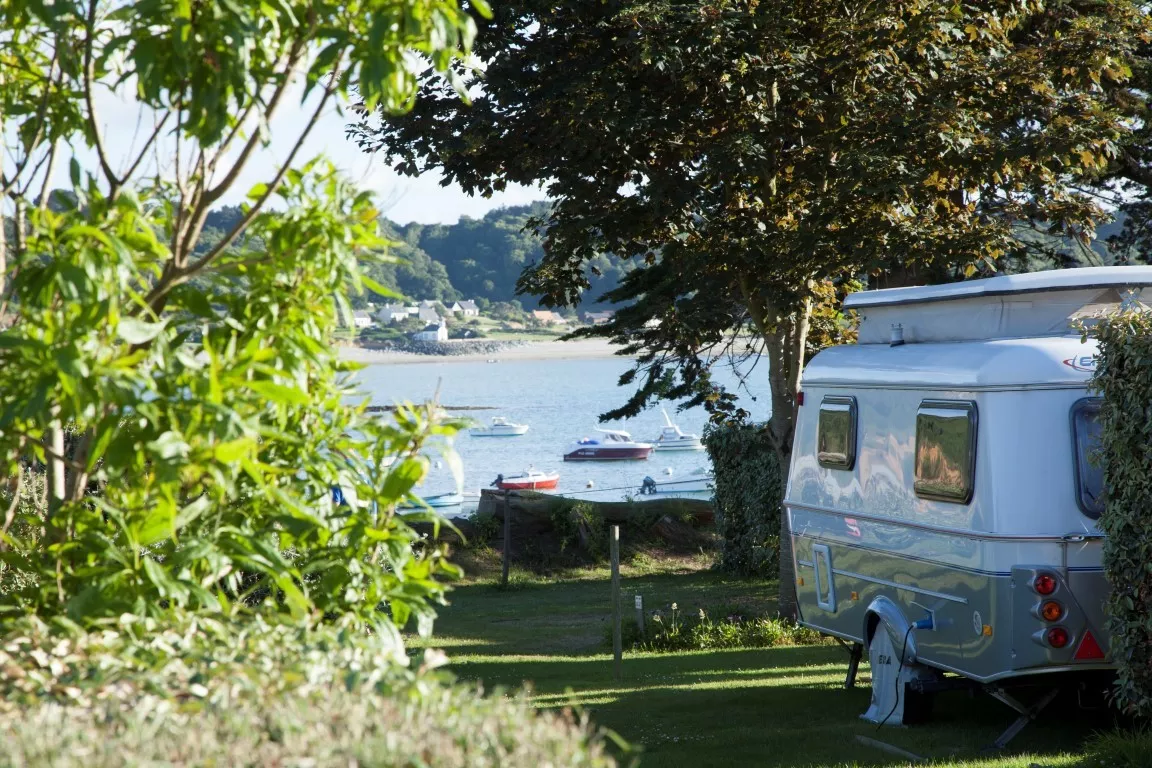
{"x": 766, "y": 707}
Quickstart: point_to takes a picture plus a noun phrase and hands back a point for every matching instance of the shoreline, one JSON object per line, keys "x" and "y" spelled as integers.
{"x": 580, "y": 349}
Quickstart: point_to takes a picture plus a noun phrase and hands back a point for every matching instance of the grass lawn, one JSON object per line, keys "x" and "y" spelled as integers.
{"x": 763, "y": 707}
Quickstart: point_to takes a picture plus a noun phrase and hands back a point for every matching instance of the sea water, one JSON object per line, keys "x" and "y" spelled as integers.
{"x": 561, "y": 401}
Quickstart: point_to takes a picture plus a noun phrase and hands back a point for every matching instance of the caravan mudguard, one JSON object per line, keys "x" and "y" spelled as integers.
{"x": 886, "y": 613}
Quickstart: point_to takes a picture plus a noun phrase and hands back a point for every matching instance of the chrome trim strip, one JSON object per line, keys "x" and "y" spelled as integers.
{"x": 806, "y": 563}
{"x": 979, "y": 536}
{"x": 897, "y": 585}
{"x": 1082, "y": 385}
{"x": 1018, "y": 672}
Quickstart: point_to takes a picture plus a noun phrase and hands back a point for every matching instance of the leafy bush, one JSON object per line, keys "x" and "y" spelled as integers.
{"x": 712, "y": 628}
{"x": 579, "y": 525}
{"x": 1124, "y": 380}
{"x": 203, "y": 692}
{"x": 749, "y": 489}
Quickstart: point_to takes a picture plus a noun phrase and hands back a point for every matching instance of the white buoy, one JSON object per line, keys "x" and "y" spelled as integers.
{"x": 590, "y": 484}
{"x": 667, "y": 470}
{"x": 439, "y": 465}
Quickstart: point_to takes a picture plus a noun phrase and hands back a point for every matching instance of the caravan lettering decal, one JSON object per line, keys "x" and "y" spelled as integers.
{"x": 1085, "y": 363}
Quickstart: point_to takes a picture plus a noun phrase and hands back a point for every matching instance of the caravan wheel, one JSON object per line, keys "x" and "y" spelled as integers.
{"x": 893, "y": 701}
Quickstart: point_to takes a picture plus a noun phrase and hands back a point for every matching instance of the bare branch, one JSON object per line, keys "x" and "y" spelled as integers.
{"x": 17, "y": 488}
{"x": 147, "y": 145}
{"x": 184, "y": 274}
{"x": 286, "y": 80}
{"x": 45, "y": 190}
{"x": 90, "y": 102}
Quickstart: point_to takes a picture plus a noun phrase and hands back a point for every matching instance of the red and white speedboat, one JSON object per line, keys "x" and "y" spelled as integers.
{"x": 613, "y": 446}
{"x": 529, "y": 480}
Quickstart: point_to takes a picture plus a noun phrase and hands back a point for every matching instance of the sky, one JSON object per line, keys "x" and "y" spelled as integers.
{"x": 400, "y": 198}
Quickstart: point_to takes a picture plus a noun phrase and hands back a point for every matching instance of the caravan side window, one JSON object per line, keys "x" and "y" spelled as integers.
{"x": 836, "y": 432}
{"x": 945, "y": 450}
{"x": 1089, "y": 474}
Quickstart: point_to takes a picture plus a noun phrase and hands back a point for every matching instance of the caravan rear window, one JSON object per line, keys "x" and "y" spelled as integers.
{"x": 945, "y": 450}
{"x": 836, "y": 432}
{"x": 1089, "y": 476}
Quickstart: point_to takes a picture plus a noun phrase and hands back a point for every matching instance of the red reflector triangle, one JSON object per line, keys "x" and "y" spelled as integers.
{"x": 1089, "y": 648}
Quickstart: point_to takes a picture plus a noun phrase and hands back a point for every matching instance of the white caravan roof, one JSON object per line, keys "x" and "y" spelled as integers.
{"x": 1008, "y": 306}
{"x": 1053, "y": 362}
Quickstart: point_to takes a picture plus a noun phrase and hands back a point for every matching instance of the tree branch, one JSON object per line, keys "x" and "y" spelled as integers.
{"x": 90, "y": 102}
{"x": 184, "y": 274}
{"x": 147, "y": 145}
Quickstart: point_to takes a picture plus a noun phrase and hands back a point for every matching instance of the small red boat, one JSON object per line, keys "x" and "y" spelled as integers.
{"x": 530, "y": 480}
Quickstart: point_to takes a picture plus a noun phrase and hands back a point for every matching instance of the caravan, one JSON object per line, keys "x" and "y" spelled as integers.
{"x": 942, "y": 500}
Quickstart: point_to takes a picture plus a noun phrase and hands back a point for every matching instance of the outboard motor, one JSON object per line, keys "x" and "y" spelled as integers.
{"x": 648, "y": 487}
{"x": 499, "y": 479}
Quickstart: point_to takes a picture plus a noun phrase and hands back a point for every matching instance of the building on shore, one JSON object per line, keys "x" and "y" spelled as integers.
{"x": 432, "y": 332}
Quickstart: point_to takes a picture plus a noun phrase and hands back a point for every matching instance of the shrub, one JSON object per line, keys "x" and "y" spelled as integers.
{"x": 1124, "y": 380}
{"x": 749, "y": 489}
{"x": 579, "y": 525}
{"x": 205, "y": 692}
{"x": 716, "y": 627}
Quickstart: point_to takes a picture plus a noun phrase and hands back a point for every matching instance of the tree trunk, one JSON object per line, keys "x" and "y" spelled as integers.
{"x": 785, "y": 337}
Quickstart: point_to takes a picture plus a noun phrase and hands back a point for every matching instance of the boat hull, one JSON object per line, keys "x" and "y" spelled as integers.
{"x": 607, "y": 453}
{"x": 502, "y": 432}
{"x": 436, "y": 502}
{"x": 686, "y": 445}
{"x": 529, "y": 485}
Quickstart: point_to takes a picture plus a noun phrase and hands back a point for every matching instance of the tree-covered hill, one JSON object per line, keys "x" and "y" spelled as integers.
{"x": 471, "y": 259}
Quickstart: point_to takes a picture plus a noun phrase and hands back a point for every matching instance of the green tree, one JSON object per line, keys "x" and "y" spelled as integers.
{"x": 743, "y": 152}
{"x": 193, "y": 433}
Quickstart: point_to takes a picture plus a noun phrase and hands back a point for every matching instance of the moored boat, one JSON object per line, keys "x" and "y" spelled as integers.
{"x": 528, "y": 480}
{"x": 436, "y": 501}
{"x": 672, "y": 438}
{"x": 614, "y": 445}
{"x": 500, "y": 427}
{"x": 700, "y": 484}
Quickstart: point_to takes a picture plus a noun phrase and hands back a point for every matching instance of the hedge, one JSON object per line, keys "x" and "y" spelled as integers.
{"x": 212, "y": 693}
{"x": 749, "y": 489}
{"x": 1124, "y": 380}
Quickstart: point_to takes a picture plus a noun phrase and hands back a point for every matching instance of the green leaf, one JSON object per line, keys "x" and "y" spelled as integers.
{"x": 136, "y": 331}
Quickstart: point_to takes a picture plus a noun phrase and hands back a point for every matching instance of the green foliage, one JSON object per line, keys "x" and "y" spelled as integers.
{"x": 739, "y": 153}
{"x": 749, "y": 489}
{"x": 188, "y": 692}
{"x": 1119, "y": 749}
{"x": 1123, "y": 378}
{"x": 712, "y": 628}
{"x": 580, "y": 526}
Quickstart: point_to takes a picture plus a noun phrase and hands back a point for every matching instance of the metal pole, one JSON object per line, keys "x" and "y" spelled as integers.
{"x": 640, "y": 615}
{"x": 617, "y": 641}
{"x": 507, "y": 541}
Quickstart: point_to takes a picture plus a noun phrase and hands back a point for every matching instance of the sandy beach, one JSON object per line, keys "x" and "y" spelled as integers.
{"x": 581, "y": 349}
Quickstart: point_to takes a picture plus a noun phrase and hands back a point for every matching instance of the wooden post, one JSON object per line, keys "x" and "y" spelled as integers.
{"x": 640, "y": 615}
{"x": 617, "y": 641}
{"x": 507, "y": 541}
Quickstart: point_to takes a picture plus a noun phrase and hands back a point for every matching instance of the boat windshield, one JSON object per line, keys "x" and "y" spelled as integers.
{"x": 1089, "y": 474}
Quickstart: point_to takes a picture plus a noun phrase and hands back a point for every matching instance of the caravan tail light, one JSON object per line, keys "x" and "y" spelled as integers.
{"x": 1044, "y": 584}
{"x": 1057, "y": 637}
{"x": 799, "y": 398}
{"x": 1051, "y": 611}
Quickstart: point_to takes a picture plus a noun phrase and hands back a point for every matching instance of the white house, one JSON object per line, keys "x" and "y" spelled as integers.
{"x": 432, "y": 332}
{"x": 393, "y": 313}
{"x": 465, "y": 308}
{"x": 362, "y": 319}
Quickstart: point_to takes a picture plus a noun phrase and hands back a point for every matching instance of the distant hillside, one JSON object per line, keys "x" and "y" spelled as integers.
{"x": 477, "y": 258}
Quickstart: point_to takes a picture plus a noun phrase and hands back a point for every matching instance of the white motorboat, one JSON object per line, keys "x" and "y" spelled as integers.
{"x": 500, "y": 427}
{"x": 671, "y": 438}
{"x": 614, "y": 445}
{"x": 699, "y": 485}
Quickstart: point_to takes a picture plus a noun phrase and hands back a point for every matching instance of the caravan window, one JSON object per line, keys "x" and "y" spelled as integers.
{"x": 1089, "y": 476}
{"x": 945, "y": 450}
{"x": 836, "y": 433}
